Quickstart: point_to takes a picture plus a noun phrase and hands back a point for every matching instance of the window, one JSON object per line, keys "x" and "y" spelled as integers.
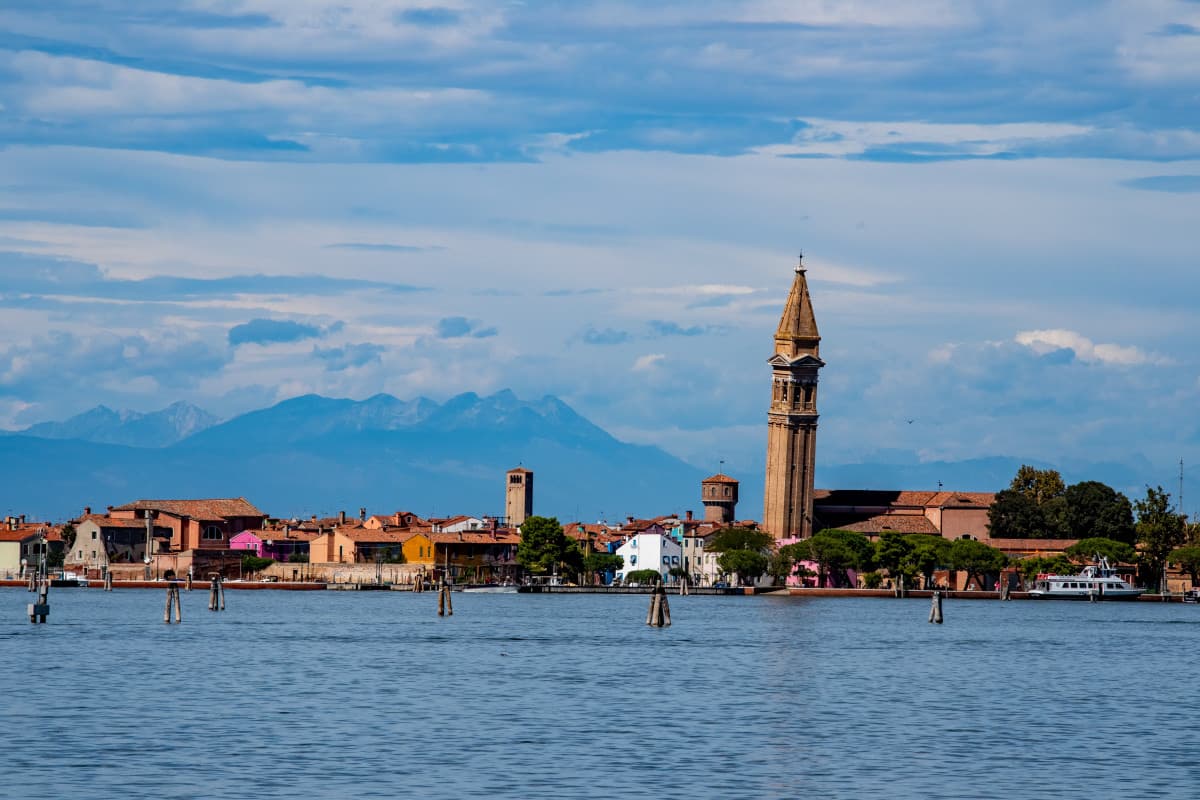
{"x": 93, "y": 535}
{"x": 212, "y": 532}
{"x": 674, "y": 559}
{"x": 728, "y": 491}
{"x": 633, "y": 560}
{"x": 666, "y": 559}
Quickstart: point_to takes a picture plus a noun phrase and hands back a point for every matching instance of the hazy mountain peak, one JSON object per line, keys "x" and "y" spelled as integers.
{"x": 103, "y": 425}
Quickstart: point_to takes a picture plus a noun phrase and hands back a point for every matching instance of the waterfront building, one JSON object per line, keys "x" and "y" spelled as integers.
{"x": 196, "y": 524}
{"x": 101, "y": 541}
{"x": 279, "y": 545}
{"x": 652, "y": 549}
{"x": 792, "y": 417}
{"x": 23, "y": 544}
{"x": 518, "y": 496}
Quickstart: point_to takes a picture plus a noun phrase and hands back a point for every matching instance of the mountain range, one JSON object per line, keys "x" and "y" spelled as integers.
{"x": 319, "y": 455}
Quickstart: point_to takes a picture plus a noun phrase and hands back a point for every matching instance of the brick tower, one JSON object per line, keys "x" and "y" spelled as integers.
{"x": 518, "y": 496}
{"x": 792, "y": 418}
{"x": 719, "y": 495}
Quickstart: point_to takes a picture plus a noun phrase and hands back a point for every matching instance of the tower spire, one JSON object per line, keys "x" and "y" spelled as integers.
{"x": 797, "y": 332}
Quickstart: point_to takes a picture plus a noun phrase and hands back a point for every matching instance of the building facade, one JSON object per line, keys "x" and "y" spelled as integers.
{"x": 792, "y": 417}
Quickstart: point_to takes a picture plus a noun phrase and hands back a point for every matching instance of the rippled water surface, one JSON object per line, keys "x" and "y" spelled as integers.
{"x": 370, "y": 694}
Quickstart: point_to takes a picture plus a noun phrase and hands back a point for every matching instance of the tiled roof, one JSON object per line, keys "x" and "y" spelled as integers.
{"x": 108, "y": 522}
{"x": 475, "y": 537}
{"x": 901, "y": 523}
{"x": 19, "y": 535}
{"x": 210, "y": 509}
{"x": 720, "y": 477}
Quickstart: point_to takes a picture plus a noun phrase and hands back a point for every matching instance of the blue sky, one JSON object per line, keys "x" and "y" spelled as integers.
{"x": 236, "y": 202}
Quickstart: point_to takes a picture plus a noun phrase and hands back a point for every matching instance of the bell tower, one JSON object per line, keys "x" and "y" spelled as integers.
{"x": 792, "y": 417}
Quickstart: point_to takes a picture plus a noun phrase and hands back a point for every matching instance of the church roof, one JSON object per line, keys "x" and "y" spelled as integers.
{"x": 798, "y": 326}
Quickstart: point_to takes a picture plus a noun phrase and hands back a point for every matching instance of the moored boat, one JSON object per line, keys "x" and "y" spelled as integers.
{"x": 1099, "y": 580}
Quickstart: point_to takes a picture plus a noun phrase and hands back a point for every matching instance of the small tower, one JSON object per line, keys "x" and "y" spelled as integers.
{"x": 719, "y": 495}
{"x": 518, "y": 496}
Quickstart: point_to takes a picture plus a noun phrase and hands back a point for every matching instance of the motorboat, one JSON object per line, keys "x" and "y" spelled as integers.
{"x": 1099, "y": 580}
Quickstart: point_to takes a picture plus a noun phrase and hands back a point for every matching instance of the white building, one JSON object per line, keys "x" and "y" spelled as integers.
{"x": 656, "y": 551}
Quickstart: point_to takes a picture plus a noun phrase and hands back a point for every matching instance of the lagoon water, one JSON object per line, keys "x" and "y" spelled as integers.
{"x": 366, "y": 695}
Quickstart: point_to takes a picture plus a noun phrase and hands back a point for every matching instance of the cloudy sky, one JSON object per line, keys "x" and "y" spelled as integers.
{"x": 237, "y": 201}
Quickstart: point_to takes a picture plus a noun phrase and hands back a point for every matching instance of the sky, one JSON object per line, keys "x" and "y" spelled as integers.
{"x": 233, "y": 202}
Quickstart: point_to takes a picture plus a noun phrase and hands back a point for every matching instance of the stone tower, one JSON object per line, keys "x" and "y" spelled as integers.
{"x": 518, "y": 496}
{"x": 719, "y": 495}
{"x": 792, "y": 418}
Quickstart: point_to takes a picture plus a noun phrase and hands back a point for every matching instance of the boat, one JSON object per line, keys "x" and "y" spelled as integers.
{"x": 491, "y": 588}
{"x": 1192, "y": 595}
{"x": 1099, "y": 580}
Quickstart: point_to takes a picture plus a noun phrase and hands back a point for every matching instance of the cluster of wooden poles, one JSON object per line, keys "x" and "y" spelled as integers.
{"x": 41, "y": 609}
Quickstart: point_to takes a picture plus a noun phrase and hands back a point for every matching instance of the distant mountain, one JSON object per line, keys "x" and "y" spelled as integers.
{"x": 319, "y": 455}
{"x": 102, "y": 425}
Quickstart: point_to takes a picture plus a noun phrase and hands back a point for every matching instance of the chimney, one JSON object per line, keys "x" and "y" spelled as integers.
{"x": 287, "y": 531}
{"x": 629, "y": 520}
{"x": 341, "y": 518}
{"x": 460, "y": 536}
{"x": 87, "y": 511}
{"x": 22, "y": 519}
{"x": 362, "y": 514}
{"x": 688, "y": 515}
{"x": 314, "y": 517}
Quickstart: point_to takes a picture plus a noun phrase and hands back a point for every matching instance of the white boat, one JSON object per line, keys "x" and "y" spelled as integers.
{"x": 492, "y": 588}
{"x": 1100, "y": 580}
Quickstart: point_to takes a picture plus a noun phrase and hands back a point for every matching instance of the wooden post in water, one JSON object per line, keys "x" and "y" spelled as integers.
{"x": 39, "y": 610}
{"x": 173, "y": 598}
{"x": 449, "y": 602}
{"x": 108, "y": 581}
{"x": 935, "y": 608}
{"x": 652, "y": 612}
{"x": 664, "y": 609}
{"x": 660, "y": 609}
{"x": 189, "y": 580}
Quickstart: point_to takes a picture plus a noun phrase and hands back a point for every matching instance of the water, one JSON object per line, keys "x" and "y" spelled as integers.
{"x": 356, "y": 694}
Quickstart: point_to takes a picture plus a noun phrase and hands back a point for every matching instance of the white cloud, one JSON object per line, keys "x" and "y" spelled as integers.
{"x": 647, "y": 362}
{"x": 1047, "y": 341}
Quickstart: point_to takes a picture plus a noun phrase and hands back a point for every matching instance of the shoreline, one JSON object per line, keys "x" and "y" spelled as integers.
{"x": 742, "y": 591}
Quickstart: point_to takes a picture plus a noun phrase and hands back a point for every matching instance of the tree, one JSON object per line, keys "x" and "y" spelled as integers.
{"x": 976, "y": 559}
{"x": 650, "y": 576}
{"x": 603, "y": 562}
{"x": 1039, "y": 486}
{"x": 1188, "y": 559}
{"x": 1097, "y": 510}
{"x": 746, "y": 564}
{"x": 929, "y": 552}
{"x": 1086, "y": 550}
{"x": 1045, "y": 565}
{"x": 836, "y": 551}
{"x": 739, "y": 539}
{"x": 68, "y": 536}
{"x": 892, "y": 552}
{"x": 543, "y": 544}
{"x": 1159, "y": 531}
{"x": 252, "y": 563}
{"x": 1013, "y": 515}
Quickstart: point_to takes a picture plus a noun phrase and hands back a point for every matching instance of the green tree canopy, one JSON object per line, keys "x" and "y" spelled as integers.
{"x": 543, "y": 545}
{"x": 746, "y": 564}
{"x": 1038, "y": 485}
{"x": 1159, "y": 531}
{"x": 643, "y": 576}
{"x": 929, "y": 553}
{"x": 836, "y": 551}
{"x": 1014, "y": 515}
{"x": 1045, "y": 565}
{"x": 977, "y": 559}
{"x": 1097, "y": 510}
{"x": 893, "y": 551}
{"x": 1085, "y": 551}
{"x": 603, "y": 562}
{"x": 739, "y": 539}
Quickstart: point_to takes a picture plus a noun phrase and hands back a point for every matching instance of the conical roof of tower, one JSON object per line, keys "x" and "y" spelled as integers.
{"x": 720, "y": 477}
{"x": 797, "y": 331}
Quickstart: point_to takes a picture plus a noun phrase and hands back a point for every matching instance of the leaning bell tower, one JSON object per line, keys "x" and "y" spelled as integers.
{"x": 792, "y": 417}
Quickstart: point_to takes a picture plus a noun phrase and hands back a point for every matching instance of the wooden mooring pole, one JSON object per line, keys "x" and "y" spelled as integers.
{"x": 173, "y": 599}
{"x": 108, "y": 581}
{"x": 660, "y": 610}
{"x": 935, "y": 608}
{"x": 38, "y": 611}
{"x": 445, "y": 603}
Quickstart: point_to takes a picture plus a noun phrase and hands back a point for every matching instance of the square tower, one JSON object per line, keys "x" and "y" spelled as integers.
{"x": 518, "y": 496}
